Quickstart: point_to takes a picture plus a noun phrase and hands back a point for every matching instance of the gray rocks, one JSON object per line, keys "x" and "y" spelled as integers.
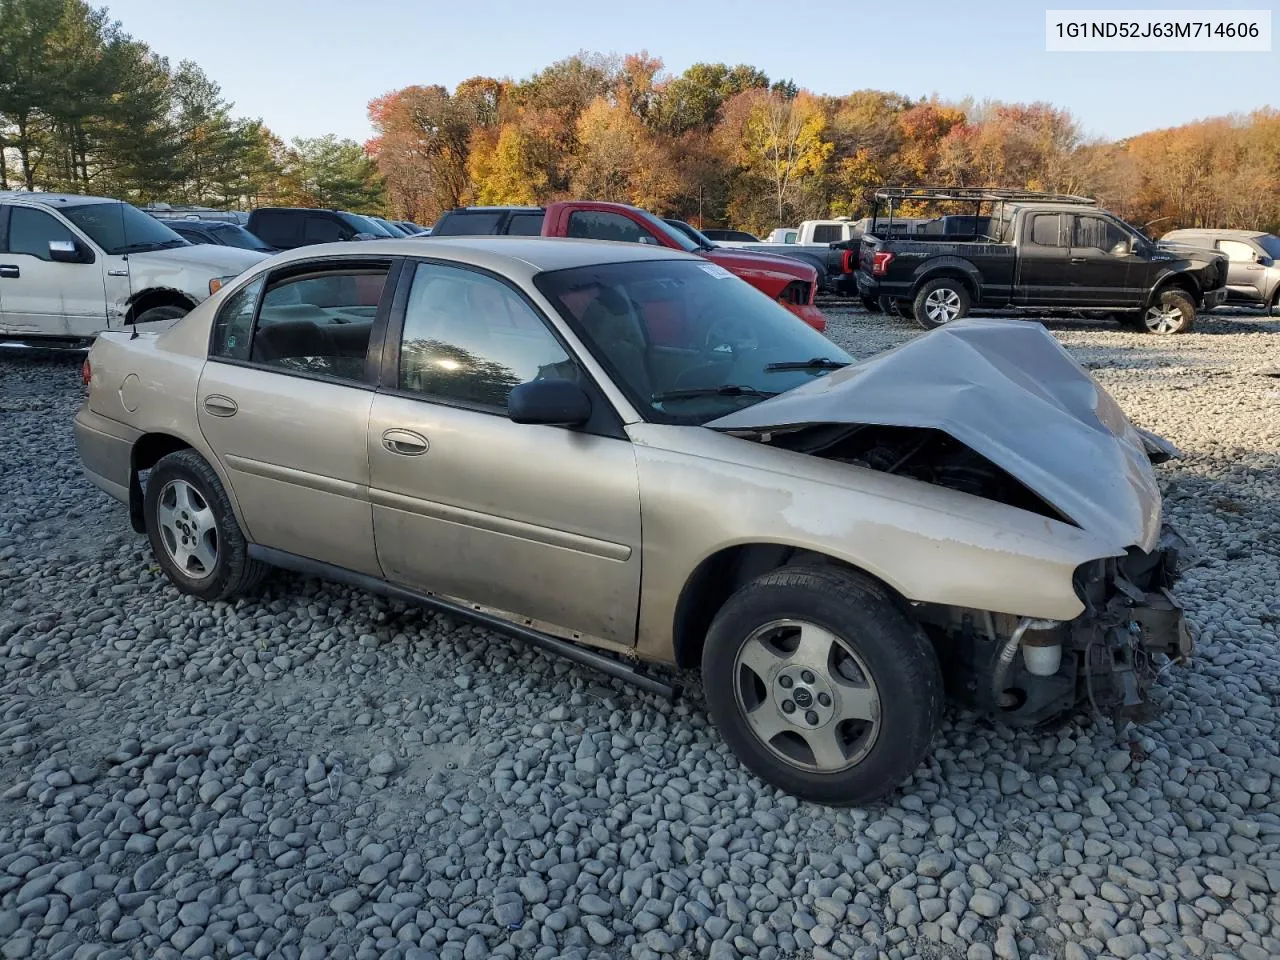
{"x": 312, "y": 772}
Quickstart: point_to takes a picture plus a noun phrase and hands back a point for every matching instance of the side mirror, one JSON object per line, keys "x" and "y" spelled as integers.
{"x": 560, "y": 403}
{"x": 1263, "y": 260}
{"x": 68, "y": 251}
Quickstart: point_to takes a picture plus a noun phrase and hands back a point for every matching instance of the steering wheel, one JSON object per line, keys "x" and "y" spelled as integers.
{"x": 729, "y": 335}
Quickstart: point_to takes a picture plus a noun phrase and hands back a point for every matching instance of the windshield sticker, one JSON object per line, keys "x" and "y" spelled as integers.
{"x": 717, "y": 271}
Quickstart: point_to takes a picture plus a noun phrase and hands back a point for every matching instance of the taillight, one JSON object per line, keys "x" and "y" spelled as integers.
{"x": 880, "y": 261}
{"x": 848, "y": 261}
{"x": 86, "y": 372}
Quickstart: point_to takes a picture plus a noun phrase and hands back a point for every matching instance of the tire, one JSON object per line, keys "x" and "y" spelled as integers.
{"x": 161, "y": 313}
{"x": 870, "y": 304}
{"x": 939, "y": 302}
{"x": 877, "y": 661}
{"x": 1172, "y": 312}
{"x": 193, "y": 531}
{"x": 1273, "y": 308}
{"x": 888, "y": 306}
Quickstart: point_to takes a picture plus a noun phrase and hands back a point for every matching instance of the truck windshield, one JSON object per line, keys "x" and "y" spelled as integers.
{"x": 1271, "y": 244}
{"x": 662, "y": 228}
{"x": 120, "y": 228}
{"x": 686, "y": 340}
{"x": 364, "y": 224}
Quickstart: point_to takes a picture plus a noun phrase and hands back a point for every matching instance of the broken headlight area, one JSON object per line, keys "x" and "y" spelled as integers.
{"x": 1105, "y": 661}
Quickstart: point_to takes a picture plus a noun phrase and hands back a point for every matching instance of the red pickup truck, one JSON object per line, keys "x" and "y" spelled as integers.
{"x": 792, "y": 283}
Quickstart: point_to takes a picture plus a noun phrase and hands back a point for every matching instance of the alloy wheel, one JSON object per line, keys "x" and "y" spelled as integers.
{"x": 188, "y": 529}
{"x": 942, "y": 305}
{"x": 807, "y": 696}
{"x": 1161, "y": 319}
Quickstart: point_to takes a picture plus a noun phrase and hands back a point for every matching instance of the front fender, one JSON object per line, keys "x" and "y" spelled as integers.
{"x": 703, "y": 492}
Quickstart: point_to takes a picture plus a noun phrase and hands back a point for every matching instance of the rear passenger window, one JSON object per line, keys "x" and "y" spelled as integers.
{"x": 233, "y": 327}
{"x": 1044, "y": 230}
{"x": 525, "y": 225}
{"x": 826, "y": 233}
{"x": 277, "y": 228}
{"x": 599, "y": 225}
{"x": 319, "y": 322}
{"x": 469, "y": 338}
{"x": 468, "y": 223}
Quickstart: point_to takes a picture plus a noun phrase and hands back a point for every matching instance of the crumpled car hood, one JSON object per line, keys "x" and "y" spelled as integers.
{"x": 1008, "y": 390}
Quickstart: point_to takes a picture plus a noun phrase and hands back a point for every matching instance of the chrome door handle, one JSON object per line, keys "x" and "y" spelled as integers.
{"x": 1077, "y": 259}
{"x": 405, "y": 442}
{"x": 10, "y": 271}
{"x": 220, "y": 406}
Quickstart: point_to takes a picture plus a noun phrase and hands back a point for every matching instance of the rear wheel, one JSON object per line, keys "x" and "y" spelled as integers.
{"x": 870, "y": 304}
{"x": 193, "y": 531}
{"x": 939, "y": 302}
{"x": 1172, "y": 312}
{"x": 821, "y": 684}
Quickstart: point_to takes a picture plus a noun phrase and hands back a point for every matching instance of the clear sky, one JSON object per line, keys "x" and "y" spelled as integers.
{"x": 310, "y": 67}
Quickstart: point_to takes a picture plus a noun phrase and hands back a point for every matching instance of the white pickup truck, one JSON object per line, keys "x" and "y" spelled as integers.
{"x": 71, "y": 266}
{"x": 814, "y": 242}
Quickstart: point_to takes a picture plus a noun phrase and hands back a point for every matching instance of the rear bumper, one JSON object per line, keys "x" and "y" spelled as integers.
{"x": 809, "y": 314}
{"x": 106, "y": 451}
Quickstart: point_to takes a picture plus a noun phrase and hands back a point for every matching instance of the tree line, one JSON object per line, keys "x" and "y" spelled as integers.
{"x": 86, "y": 108}
{"x": 720, "y": 144}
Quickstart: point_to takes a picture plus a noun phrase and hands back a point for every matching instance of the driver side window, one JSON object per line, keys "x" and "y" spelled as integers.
{"x": 1101, "y": 234}
{"x": 31, "y": 232}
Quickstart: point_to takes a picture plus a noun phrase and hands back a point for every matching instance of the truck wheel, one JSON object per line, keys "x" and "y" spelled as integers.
{"x": 870, "y": 304}
{"x": 822, "y": 685}
{"x": 193, "y": 530}
{"x": 1173, "y": 312}
{"x": 1273, "y": 308}
{"x": 939, "y": 302}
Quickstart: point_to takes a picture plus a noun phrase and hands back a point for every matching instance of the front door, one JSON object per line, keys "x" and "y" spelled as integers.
{"x": 1103, "y": 270}
{"x": 1044, "y": 275}
{"x": 284, "y": 403}
{"x": 43, "y": 297}
{"x": 1246, "y": 277}
{"x": 541, "y": 522}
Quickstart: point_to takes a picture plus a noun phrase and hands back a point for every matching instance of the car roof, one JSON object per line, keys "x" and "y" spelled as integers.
{"x": 1214, "y": 232}
{"x": 523, "y": 256}
{"x": 55, "y": 199}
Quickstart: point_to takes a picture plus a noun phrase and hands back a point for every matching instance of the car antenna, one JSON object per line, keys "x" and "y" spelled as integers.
{"x": 134, "y": 334}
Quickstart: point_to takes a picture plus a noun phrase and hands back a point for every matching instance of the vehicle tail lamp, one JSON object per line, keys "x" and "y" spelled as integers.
{"x": 848, "y": 261}
{"x": 86, "y": 372}
{"x": 880, "y": 261}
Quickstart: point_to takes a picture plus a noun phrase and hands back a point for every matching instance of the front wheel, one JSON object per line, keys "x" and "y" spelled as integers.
{"x": 1172, "y": 312}
{"x": 161, "y": 313}
{"x": 939, "y": 302}
{"x": 193, "y": 531}
{"x": 822, "y": 685}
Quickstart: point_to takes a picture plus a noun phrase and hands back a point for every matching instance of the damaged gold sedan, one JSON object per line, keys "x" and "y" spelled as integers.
{"x": 628, "y": 456}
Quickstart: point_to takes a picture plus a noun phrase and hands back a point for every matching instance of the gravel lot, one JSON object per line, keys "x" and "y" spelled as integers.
{"x": 320, "y": 773}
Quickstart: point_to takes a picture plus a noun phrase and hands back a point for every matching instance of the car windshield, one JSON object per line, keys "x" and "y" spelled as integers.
{"x": 120, "y": 228}
{"x": 688, "y": 342}
{"x": 665, "y": 229}
{"x": 1271, "y": 244}
{"x": 391, "y": 228}
{"x": 234, "y": 235}
{"x": 364, "y": 225}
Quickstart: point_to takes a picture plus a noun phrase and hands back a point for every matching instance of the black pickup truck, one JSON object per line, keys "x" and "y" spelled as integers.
{"x": 1036, "y": 252}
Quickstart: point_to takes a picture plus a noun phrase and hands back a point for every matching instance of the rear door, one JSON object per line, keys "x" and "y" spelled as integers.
{"x": 1245, "y": 276}
{"x": 281, "y": 229}
{"x": 538, "y": 521}
{"x": 42, "y": 297}
{"x": 284, "y": 403}
{"x": 1103, "y": 271}
{"x": 1044, "y": 275}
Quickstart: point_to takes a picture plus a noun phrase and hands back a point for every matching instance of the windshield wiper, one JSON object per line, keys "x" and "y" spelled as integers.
{"x": 725, "y": 390}
{"x": 147, "y": 246}
{"x": 816, "y": 363}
